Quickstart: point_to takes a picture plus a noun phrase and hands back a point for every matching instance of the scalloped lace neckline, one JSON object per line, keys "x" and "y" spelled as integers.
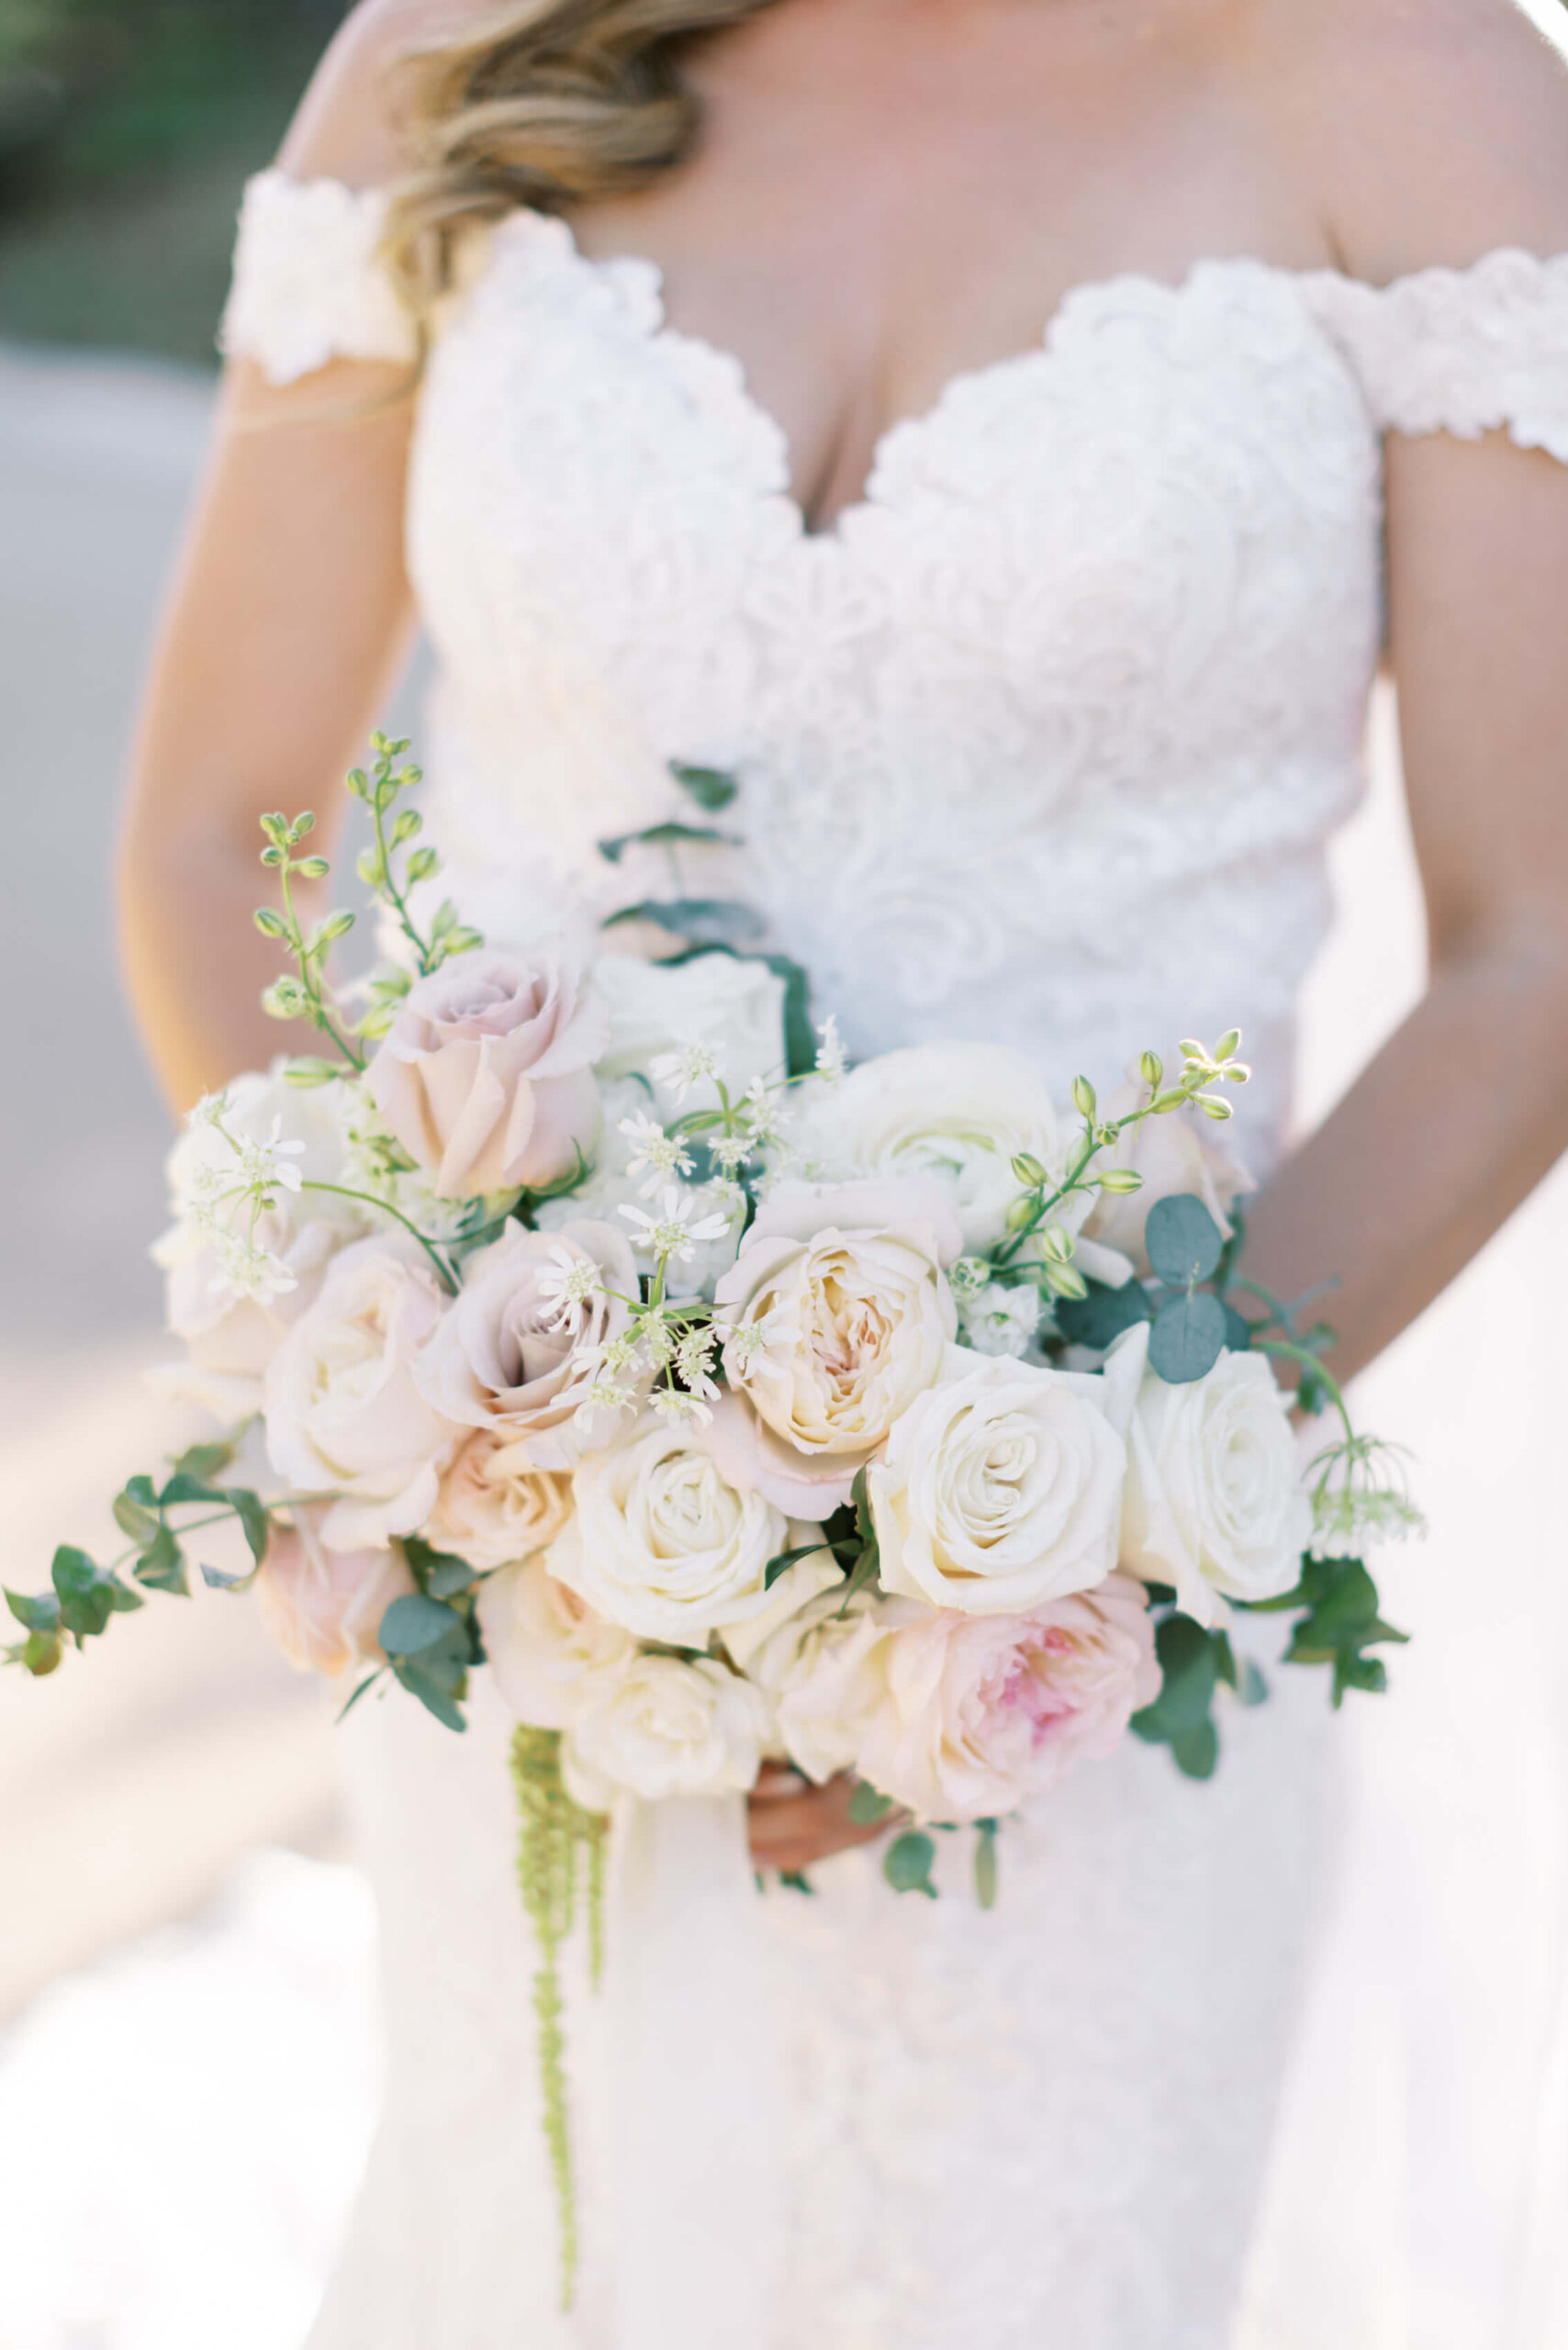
{"x": 643, "y": 279}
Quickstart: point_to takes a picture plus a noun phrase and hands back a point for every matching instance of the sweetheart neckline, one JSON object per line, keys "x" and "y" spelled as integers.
{"x": 658, "y": 330}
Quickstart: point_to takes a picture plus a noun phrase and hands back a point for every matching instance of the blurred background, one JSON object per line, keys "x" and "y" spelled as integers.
{"x": 187, "y": 2068}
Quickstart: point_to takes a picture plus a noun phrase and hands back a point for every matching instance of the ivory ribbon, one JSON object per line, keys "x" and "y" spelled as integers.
{"x": 697, "y": 2172}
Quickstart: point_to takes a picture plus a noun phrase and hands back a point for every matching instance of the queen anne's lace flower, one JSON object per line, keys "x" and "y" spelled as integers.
{"x": 678, "y": 1230}
{"x": 656, "y": 1154}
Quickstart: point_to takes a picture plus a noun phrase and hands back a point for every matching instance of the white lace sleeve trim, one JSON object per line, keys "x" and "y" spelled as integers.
{"x": 1462, "y": 350}
{"x": 308, "y": 287}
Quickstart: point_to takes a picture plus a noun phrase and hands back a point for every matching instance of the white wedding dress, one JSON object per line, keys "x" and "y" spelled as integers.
{"x": 1041, "y": 743}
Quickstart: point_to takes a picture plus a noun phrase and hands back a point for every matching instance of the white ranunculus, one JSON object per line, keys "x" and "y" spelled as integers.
{"x": 955, "y": 1113}
{"x": 234, "y": 1337}
{"x": 1001, "y": 1486}
{"x": 343, "y": 1413}
{"x": 728, "y": 1002}
{"x": 1214, "y": 1499}
{"x": 661, "y": 1542}
{"x": 666, "y": 1726}
{"x": 840, "y": 1314}
{"x": 551, "y": 1655}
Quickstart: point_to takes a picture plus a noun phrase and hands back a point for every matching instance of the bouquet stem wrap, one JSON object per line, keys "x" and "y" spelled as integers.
{"x": 696, "y": 2214}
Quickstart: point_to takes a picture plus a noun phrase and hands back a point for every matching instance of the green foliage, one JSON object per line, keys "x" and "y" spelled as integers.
{"x": 710, "y": 789}
{"x": 1099, "y": 1318}
{"x": 1339, "y": 1621}
{"x": 1187, "y": 1339}
{"x": 907, "y": 1863}
{"x": 666, "y": 835}
{"x": 1191, "y": 1663}
{"x": 868, "y": 1803}
{"x": 429, "y": 1645}
{"x": 985, "y": 1863}
{"x": 797, "y": 1880}
{"x": 1183, "y": 1241}
{"x": 702, "y": 922}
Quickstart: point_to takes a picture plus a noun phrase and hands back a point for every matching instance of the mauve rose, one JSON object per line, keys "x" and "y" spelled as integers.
{"x": 486, "y": 1074}
{"x": 511, "y": 1359}
{"x": 324, "y": 1607}
{"x": 977, "y": 1713}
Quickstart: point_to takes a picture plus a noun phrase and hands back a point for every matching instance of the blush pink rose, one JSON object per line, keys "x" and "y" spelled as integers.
{"x": 486, "y": 1076}
{"x": 977, "y": 1713}
{"x": 324, "y": 1607}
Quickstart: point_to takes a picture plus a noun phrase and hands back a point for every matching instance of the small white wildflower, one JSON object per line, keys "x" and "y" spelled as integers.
{"x": 264, "y": 1165}
{"x": 680, "y": 1411}
{"x": 604, "y": 1395}
{"x": 689, "y": 1064}
{"x": 763, "y": 1120}
{"x": 656, "y": 1340}
{"x": 673, "y": 1233}
{"x": 566, "y": 1284}
{"x": 730, "y": 1152}
{"x": 1360, "y": 1498}
{"x": 831, "y": 1062}
{"x": 742, "y": 1342}
{"x": 247, "y": 1270}
{"x": 207, "y": 1111}
{"x": 694, "y": 1361}
{"x": 655, "y": 1153}
{"x": 1000, "y": 1321}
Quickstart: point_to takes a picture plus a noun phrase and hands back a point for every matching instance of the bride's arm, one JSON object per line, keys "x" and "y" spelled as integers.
{"x": 286, "y": 621}
{"x": 1446, "y": 131}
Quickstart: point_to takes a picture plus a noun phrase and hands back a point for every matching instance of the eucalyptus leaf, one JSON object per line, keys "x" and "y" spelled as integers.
{"x": 664, "y": 836}
{"x": 435, "y": 1699}
{"x": 797, "y": 1880}
{"x": 205, "y": 1460}
{"x": 1098, "y": 1320}
{"x": 35, "y": 1611}
{"x": 783, "y": 1561}
{"x": 710, "y": 787}
{"x": 1196, "y": 1751}
{"x": 216, "y": 1579}
{"x": 868, "y": 1803}
{"x": 1183, "y": 1241}
{"x": 1187, "y": 1339}
{"x": 907, "y": 1861}
{"x": 184, "y": 1487}
{"x": 255, "y": 1523}
{"x": 985, "y": 1863}
{"x": 162, "y": 1566}
{"x": 85, "y": 1590}
{"x": 132, "y": 1519}
{"x": 415, "y": 1623}
{"x": 701, "y": 920}
{"x": 1254, "y": 1689}
{"x": 1237, "y": 1329}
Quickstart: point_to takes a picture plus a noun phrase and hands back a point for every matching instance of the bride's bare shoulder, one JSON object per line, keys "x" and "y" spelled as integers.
{"x": 1432, "y": 131}
{"x": 351, "y": 123}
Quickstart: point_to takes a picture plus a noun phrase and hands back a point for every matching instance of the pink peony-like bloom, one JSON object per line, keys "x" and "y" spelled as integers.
{"x": 324, "y": 1607}
{"x": 486, "y": 1076}
{"x": 977, "y": 1713}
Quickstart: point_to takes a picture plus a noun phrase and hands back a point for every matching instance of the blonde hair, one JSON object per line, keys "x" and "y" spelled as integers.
{"x": 545, "y": 102}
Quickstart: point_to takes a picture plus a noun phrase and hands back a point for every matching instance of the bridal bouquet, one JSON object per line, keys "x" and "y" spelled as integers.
{"x": 591, "y": 1320}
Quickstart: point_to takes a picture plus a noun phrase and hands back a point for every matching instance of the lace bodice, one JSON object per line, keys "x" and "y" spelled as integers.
{"x": 1043, "y": 739}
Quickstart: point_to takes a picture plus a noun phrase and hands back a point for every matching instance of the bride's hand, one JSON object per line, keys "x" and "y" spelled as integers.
{"x": 794, "y": 1824}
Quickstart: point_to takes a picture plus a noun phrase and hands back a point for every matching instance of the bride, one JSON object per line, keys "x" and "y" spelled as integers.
{"x": 1003, "y": 433}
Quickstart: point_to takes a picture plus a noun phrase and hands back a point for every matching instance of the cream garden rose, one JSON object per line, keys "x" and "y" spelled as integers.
{"x": 824, "y": 1673}
{"x": 322, "y": 1606}
{"x": 549, "y": 1652}
{"x": 978, "y": 1713}
{"x": 839, "y": 1314}
{"x": 663, "y": 1726}
{"x": 518, "y": 1359}
{"x": 493, "y": 1505}
{"x": 486, "y": 1076}
{"x": 1001, "y": 1486}
{"x": 343, "y": 1411}
{"x": 660, "y": 1540}
{"x": 1215, "y": 1502}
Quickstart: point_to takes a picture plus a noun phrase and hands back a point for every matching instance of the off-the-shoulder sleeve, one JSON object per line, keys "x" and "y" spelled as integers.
{"x": 1462, "y": 350}
{"x": 308, "y": 287}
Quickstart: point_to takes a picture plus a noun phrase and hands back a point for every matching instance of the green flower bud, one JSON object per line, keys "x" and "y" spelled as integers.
{"x": 1151, "y": 1068}
{"x": 1020, "y": 1216}
{"x": 307, "y": 1072}
{"x": 1057, "y": 1244}
{"x": 1190, "y": 1050}
{"x": 1212, "y": 1107}
{"x": 1066, "y": 1280}
{"x": 1083, "y": 1097}
{"x": 1163, "y": 1103}
{"x": 422, "y": 864}
{"x": 410, "y": 821}
{"x": 1028, "y": 1169}
{"x": 369, "y": 867}
{"x": 313, "y": 869}
{"x": 1120, "y": 1179}
{"x": 1228, "y": 1045}
{"x": 270, "y": 924}
{"x": 303, "y": 824}
{"x": 1237, "y": 1073}
{"x": 273, "y": 856}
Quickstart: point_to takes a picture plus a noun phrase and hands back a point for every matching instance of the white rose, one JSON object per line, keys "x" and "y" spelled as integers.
{"x": 663, "y": 1727}
{"x": 955, "y": 1113}
{"x": 1214, "y": 1500}
{"x": 516, "y": 1359}
{"x": 1002, "y": 1486}
{"x": 1179, "y": 1152}
{"x": 235, "y": 1338}
{"x": 662, "y": 1543}
{"x": 549, "y": 1652}
{"x": 824, "y": 1671}
{"x": 728, "y": 1002}
{"x": 495, "y": 1506}
{"x": 841, "y": 1314}
{"x": 343, "y": 1411}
